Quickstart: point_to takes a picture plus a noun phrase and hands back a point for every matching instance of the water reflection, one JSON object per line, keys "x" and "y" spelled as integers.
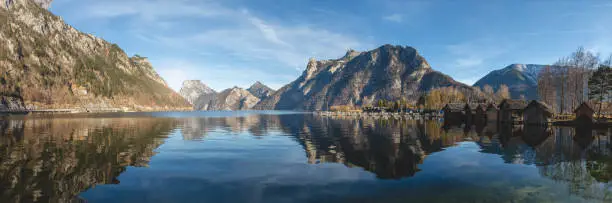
{"x": 55, "y": 159}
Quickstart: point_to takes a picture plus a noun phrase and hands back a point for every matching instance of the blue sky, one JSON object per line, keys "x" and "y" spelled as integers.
{"x": 228, "y": 43}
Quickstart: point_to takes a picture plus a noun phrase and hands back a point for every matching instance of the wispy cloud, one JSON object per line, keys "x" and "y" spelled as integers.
{"x": 237, "y": 42}
{"x": 398, "y": 18}
{"x": 468, "y": 62}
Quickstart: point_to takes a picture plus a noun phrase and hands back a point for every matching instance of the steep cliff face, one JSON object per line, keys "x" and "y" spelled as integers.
{"x": 260, "y": 90}
{"x": 360, "y": 78}
{"x": 197, "y": 93}
{"x": 49, "y": 64}
{"x": 521, "y": 79}
{"x": 42, "y": 3}
{"x": 233, "y": 99}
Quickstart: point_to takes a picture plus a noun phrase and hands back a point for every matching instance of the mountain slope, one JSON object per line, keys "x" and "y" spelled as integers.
{"x": 197, "y": 93}
{"x": 233, "y": 99}
{"x": 360, "y": 78}
{"x": 49, "y": 64}
{"x": 260, "y": 90}
{"x": 521, "y": 79}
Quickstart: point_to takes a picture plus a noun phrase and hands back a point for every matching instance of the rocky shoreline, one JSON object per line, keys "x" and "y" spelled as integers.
{"x": 380, "y": 115}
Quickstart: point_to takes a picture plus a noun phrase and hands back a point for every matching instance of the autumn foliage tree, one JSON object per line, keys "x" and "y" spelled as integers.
{"x": 502, "y": 93}
{"x": 437, "y": 98}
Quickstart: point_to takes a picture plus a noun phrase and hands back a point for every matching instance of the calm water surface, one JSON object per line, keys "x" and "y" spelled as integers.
{"x": 293, "y": 157}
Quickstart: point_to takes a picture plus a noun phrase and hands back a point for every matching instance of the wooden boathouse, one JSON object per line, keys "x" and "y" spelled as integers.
{"x": 454, "y": 112}
{"x": 511, "y": 111}
{"x": 584, "y": 113}
{"x": 537, "y": 113}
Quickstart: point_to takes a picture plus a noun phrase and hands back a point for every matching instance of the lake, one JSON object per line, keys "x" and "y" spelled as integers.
{"x": 295, "y": 157}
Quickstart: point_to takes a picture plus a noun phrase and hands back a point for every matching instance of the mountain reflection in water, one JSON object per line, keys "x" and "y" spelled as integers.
{"x": 62, "y": 159}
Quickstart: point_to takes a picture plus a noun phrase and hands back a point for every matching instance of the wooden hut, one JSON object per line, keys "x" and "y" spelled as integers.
{"x": 584, "y": 113}
{"x": 511, "y": 111}
{"x": 474, "y": 113}
{"x": 454, "y": 112}
{"x": 537, "y": 113}
{"x": 492, "y": 112}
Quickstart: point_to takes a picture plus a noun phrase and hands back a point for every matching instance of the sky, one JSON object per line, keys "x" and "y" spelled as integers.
{"x": 227, "y": 43}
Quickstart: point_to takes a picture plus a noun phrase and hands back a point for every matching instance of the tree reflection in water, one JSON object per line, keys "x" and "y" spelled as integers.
{"x": 393, "y": 149}
{"x": 53, "y": 160}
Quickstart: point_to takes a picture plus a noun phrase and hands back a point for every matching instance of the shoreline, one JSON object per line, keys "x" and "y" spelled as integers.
{"x": 380, "y": 115}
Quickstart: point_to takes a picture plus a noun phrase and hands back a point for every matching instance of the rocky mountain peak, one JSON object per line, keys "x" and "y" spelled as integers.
{"x": 234, "y": 98}
{"x": 388, "y": 72}
{"x": 522, "y": 79}
{"x": 194, "y": 89}
{"x": 350, "y": 54}
{"x": 83, "y": 72}
{"x": 311, "y": 68}
{"x": 42, "y": 3}
{"x": 260, "y": 90}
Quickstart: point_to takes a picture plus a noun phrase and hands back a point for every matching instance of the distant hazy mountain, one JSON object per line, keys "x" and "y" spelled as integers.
{"x": 197, "y": 93}
{"x": 260, "y": 90}
{"x": 521, "y": 79}
{"x": 359, "y": 78}
{"x": 47, "y": 64}
{"x": 233, "y": 99}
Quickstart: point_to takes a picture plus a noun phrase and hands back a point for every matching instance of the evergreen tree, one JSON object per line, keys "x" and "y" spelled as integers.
{"x": 600, "y": 85}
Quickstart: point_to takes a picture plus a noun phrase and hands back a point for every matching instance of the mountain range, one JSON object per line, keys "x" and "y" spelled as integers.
{"x": 47, "y": 64}
{"x": 203, "y": 97}
{"x": 360, "y": 78}
{"x": 521, "y": 79}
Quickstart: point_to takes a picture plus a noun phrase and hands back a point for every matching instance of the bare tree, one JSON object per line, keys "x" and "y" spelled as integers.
{"x": 546, "y": 87}
{"x": 582, "y": 63}
{"x": 570, "y": 77}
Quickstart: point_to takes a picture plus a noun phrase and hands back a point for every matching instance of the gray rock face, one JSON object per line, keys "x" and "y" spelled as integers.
{"x": 197, "y": 93}
{"x": 233, "y": 99}
{"x": 521, "y": 79}
{"x": 260, "y": 90}
{"x": 11, "y": 104}
{"x": 360, "y": 78}
{"x": 42, "y": 3}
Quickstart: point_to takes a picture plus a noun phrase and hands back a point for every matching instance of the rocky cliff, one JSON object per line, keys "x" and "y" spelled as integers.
{"x": 260, "y": 90}
{"x": 49, "y": 64}
{"x": 233, "y": 99}
{"x": 360, "y": 78}
{"x": 197, "y": 93}
{"x": 521, "y": 79}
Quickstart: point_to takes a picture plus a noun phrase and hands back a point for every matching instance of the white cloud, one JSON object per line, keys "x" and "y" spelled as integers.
{"x": 468, "y": 62}
{"x": 242, "y": 45}
{"x": 394, "y": 18}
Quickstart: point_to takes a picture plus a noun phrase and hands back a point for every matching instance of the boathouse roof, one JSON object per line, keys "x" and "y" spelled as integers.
{"x": 475, "y": 106}
{"x": 513, "y": 104}
{"x": 587, "y": 105}
{"x": 454, "y": 107}
{"x": 541, "y": 105}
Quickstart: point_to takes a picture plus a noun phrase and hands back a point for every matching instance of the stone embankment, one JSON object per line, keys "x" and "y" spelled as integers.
{"x": 381, "y": 115}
